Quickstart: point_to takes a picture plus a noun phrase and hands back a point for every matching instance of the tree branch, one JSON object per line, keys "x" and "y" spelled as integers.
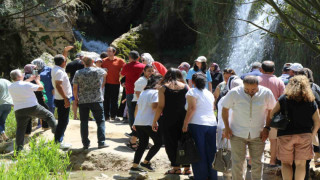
{"x": 33, "y": 7}
{"x": 298, "y": 8}
{"x": 224, "y": 3}
{"x": 291, "y": 27}
{"x": 47, "y": 11}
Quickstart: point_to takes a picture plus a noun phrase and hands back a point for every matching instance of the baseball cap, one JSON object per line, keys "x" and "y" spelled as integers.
{"x": 97, "y": 59}
{"x": 285, "y": 69}
{"x": 201, "y": 59}
{"x": 296, "y": 67}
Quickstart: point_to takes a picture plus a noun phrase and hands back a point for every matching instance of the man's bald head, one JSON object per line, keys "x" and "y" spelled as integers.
{"x": 268, "y": 67}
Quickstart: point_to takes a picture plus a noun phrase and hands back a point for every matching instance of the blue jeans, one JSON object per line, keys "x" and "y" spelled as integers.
{"x": 63, "y": 120}
{"x": 131, "y": 108}
{"x": 205, "y": 139}
{"x": 98, "y": 114}
{"x": 4, "y": 112}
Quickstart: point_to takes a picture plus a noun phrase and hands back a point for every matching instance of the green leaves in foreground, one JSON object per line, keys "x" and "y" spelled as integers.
{"x": 44, "y": 160}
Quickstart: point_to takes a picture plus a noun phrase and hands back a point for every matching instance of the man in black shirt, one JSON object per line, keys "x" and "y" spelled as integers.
{"x": 71, "y": 69}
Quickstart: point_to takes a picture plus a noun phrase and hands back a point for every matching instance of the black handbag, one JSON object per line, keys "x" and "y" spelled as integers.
{"x": 187, "y": 151}
{"x": 279, "y": 120}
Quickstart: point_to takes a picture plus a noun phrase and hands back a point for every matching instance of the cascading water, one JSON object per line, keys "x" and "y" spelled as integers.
{"x": 91, "y": 45}
{"x": 249, "y": 47}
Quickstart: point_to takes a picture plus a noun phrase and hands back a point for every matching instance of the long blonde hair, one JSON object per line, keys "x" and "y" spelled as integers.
{"x": 299, "y": 89}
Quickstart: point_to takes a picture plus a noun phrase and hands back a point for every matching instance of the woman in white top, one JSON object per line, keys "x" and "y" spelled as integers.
{"x": 139, "y": 85}
{"x": 201, "y": 123}
{"x": 145, "y": 111}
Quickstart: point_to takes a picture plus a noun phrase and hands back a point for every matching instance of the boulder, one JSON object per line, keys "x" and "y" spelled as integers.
{"x": 41, "y": 32}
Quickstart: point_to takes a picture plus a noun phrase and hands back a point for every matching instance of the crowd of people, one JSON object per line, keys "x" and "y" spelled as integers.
{"x": 163, "y": 104}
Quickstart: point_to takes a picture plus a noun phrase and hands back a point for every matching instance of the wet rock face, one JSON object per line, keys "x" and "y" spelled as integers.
{"x": 41, "y": 32}
{"x": 112, "y": 17}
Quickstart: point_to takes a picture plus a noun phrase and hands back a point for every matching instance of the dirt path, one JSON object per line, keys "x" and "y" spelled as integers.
{"x": 115, "y": 161}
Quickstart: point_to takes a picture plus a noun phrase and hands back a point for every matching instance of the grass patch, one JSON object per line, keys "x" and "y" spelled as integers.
{"x": 11, "y": 125}
{"x": 44, "y": 160}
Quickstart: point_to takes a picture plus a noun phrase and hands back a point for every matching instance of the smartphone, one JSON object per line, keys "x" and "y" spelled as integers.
{"x": 35, "y": 72}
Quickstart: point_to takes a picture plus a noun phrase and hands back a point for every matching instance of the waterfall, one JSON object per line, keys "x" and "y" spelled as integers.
{"x": 251, "y": 47}
{"x": 91, "y": 45}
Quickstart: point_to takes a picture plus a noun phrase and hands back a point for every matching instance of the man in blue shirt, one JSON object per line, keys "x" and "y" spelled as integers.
{"x": 255, "y": 70}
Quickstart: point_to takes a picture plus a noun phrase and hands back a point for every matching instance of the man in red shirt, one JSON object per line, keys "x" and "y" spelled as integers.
{"x": 132, "y": 71}
{"x": 113, "y": 66}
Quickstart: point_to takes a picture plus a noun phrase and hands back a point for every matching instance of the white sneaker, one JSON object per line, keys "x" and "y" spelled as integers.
{"x": 65, "y": 146}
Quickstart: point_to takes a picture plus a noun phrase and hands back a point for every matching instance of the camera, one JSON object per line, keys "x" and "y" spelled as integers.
{"x": 35, "y": 72}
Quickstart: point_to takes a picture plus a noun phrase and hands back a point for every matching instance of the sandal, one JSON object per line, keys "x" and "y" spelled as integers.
{"x": 131, "y": 146}
{"x": 174, "y": 172}
{"x": 187, "y": 171}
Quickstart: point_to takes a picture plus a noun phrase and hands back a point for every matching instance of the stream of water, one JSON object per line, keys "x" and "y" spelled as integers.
{"x": 91, "y": 45}
{"x": 250, "y": 44}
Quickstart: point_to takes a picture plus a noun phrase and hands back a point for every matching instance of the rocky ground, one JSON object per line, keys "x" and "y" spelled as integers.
{"x": 115, "y": 161}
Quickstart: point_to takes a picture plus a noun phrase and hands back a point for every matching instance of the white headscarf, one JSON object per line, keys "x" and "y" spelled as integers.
{"x": 148, "y": 58}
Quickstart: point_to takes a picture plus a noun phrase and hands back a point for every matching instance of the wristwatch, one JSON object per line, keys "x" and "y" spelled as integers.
{"x": 268, "y": 128}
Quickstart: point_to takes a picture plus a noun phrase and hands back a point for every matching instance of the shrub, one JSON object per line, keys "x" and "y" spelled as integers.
{"x": 11, "y": 125}
{"x": 44, "y": 160}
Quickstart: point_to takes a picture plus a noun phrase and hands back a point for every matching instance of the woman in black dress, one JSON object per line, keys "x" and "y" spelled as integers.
{"x": 172, "y": 100}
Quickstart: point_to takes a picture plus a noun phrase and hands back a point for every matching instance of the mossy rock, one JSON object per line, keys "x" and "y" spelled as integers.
{"x": 132, "y": 40}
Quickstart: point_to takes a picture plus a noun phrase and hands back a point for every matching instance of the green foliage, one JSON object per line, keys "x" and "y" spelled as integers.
{"x": 44, "y": 38}
{"x": 43, "y": 161}
{"x": 128, "y": 44}
{"x": 11, "y": 125}
{"x": 78, "y": 46}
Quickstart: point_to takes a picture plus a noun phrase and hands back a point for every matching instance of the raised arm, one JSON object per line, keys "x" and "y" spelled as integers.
{"x": 66, "y": 51}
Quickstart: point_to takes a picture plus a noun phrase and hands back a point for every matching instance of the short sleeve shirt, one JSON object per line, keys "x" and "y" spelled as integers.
{"x": 5, "y": 97}
{"x": 22, "y": 94}
{"x": 204, "y": 114}
{"x": 132, "y": 71}
{"x": 192, "y": 71}
{"x": 300, "y": 115}
{"x": 145, "y": 113}
{"x": 139, "y": 85}
{"x": 249, "y": 113}
{"x": 114, "y": 68}
{"x": 59, "y": 74}
{"x": 89, "y": 81}
{"x": 273, "y": 83}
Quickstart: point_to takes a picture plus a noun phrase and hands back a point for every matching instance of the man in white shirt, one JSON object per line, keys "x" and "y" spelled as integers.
{"x": 26, "y": 104}
{"x": 63, "y": 93}
{"x": 251, "y": 105}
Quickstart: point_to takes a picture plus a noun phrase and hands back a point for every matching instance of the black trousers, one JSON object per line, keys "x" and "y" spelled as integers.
{"x": 111, "y": 96}
{"x": 171, "y": 135}
{"x": 63, "y": 120}
{"x": 144, "y": 132}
